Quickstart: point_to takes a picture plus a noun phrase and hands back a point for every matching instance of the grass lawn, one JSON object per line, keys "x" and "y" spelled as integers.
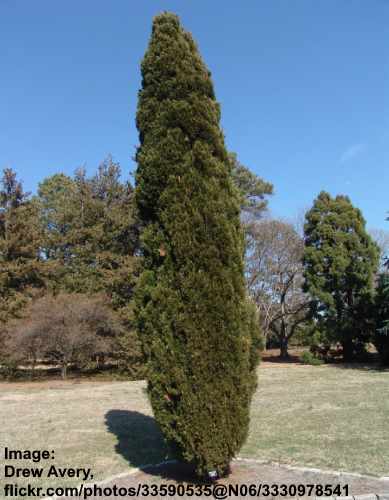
{"x": 327, "y": 416}
{"x": 324, "y": 416}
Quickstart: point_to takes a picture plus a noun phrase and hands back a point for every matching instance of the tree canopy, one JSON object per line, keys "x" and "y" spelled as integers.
{"x": 20, "y": 259}
{"x": 340, "y": 260}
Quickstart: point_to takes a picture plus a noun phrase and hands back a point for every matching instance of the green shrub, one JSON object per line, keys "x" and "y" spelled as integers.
{"x": 307, "y": 358}
{"x": 8, "y": 369}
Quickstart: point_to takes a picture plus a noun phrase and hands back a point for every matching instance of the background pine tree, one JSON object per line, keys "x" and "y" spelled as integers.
{"x": 252, "y": 189}
{"x": 197, "y": 328}
{"x": 340, "y": 260}
{"x": 20, "y": 237}
{"x": 90, "y": 235}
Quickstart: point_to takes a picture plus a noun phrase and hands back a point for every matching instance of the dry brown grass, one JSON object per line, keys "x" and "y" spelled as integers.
{"x": 327, "y": 416}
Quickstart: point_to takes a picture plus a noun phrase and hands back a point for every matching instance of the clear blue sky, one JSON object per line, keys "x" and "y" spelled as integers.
{"x": 303, "y": 84}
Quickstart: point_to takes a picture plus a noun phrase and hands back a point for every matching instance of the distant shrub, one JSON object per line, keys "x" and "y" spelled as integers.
{"x": 8, "y": 368}
{"x": 318, "y": 343}
{"x": 307, "y": 358}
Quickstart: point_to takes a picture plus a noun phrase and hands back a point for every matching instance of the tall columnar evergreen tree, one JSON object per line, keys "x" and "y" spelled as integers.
{"x": 197, "y": 329}
{"x": 340, "y": 260}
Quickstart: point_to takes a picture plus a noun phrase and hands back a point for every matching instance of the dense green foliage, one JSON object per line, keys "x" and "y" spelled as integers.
{"x": 20, "y": 260}
{"x": 89, "y": 233}
{"x": 381, "y": 333}
{"x": 196, "y": 325}
{"x": 340, "y": 260}
{"x": 307, "y": 358}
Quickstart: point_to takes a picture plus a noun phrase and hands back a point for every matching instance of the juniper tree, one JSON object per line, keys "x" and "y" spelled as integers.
{"x": 197, "y": 329}
{"x": 340, "y": 260}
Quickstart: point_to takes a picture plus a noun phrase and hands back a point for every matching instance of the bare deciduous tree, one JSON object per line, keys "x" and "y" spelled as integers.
{"x": 64, "y": 329}
{"x": 274, "y": 278}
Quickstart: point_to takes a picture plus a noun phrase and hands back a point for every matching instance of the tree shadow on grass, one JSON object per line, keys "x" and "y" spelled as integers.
{"x": 362, "y": 367}
{"x": 141, "y": 443}
{"x": 140, "y": 440}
